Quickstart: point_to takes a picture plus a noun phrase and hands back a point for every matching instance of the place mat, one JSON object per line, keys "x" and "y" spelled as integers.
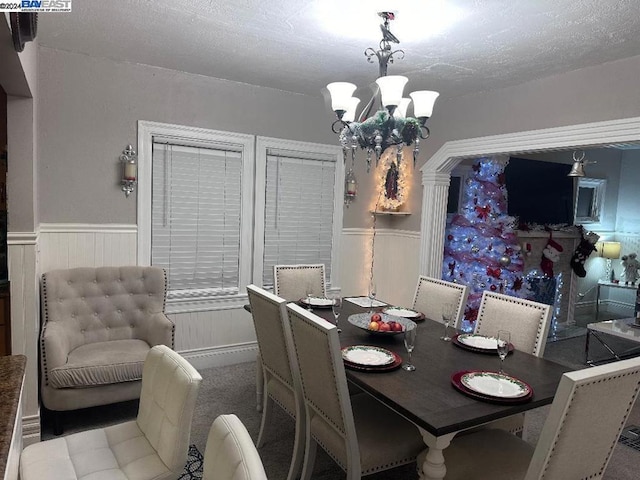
{"x": 367, "y": 355}
{"x": 404, "y": 313}
{"x": 316, "y": 302}
{"x": 456, "y": 341}
{"x": 365, "y": 302}
{"x": 456, "y": 381}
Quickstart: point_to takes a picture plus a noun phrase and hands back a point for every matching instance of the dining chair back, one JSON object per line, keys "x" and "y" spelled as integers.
{"x": 528, "y": 321}
{"x": 588, "y": 413}
{"x": 230, "y": 453}
{"x": 432, "y": 293}
{"x": 281, "y": 378}
{"x": 359, "y": 433}
{"x": 293, "y": 282}
{"x": 154, "y": 446}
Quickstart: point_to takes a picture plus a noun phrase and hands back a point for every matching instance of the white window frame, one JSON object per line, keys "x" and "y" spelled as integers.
{"x": 305, "y": 149}
{"x": 203, "y": 299}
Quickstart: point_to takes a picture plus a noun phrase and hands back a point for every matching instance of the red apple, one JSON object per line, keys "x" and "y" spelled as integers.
{"x": 376, "y": 317}
{"x": 385, "y": 327}
{"x": 397, "y": 327}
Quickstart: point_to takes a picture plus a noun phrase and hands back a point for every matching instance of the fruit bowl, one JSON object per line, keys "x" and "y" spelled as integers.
{"x": 362, "y": 321}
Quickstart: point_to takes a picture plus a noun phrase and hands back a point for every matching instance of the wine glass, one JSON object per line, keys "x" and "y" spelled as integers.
{"x": 504, "y": 339}
{"x": 309, "y": 291}
{"x": 448, "y": 310}
{"x": 336, "y": 306}
{"x": 409, "y": 344}
{"x": 372, "y": 295}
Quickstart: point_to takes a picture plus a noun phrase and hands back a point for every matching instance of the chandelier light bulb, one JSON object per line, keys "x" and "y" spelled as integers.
{"x": 350, "y": 114}
{"x": 341, "y": 94}
{"x": 401, "y": 111}
{"x": 423, "y": 101}
{"x": 391, "y": 89}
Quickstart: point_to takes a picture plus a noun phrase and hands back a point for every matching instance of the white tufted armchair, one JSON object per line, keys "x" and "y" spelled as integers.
{"x": 98, "y": 326}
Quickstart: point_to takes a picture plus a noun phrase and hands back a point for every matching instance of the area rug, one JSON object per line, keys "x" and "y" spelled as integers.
{"x": 193, "y": 468}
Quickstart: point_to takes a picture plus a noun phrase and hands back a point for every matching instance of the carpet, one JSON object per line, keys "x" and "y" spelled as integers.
{"x": 193, "y": 468}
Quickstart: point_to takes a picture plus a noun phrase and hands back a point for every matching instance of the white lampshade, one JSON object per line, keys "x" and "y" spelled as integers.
{"x": 423, "y": 101}
{"x": 341, "y": 94}
{"x": 401, "y": 110}
{"x": 391, "y": 89}
{"x": 350, "y": 114}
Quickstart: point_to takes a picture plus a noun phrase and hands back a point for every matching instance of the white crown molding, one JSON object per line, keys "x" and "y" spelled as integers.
{"x": 87, "y": 228}
{"x": 22, "y": 238}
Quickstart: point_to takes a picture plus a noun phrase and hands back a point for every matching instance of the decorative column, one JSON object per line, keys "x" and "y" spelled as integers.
{"x": 433, "y": 221}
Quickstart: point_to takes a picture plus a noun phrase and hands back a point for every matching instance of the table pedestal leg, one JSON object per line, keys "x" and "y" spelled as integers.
{"x": 433, "y": 467}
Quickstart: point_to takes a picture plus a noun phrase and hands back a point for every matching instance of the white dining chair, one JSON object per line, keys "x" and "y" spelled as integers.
{"x": 280, "y": 378}
{"x": 432, "y": 293}
{"x": 230, "y": 453}
{"x": 293, "y": 282}
{"x": 586, "y": 418}
{"x": 154, "y": 446}
{"x": 360, "y": 434}
{"x": 528, "y": 322}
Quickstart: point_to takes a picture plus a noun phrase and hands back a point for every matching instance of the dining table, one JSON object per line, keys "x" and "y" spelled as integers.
{"x": 426, "y": 396}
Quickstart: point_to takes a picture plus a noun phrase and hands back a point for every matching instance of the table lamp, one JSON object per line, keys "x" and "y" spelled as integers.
{"x": 609, "y": 250}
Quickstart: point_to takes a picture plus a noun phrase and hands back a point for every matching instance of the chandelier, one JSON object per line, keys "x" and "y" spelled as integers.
{"x": 389, "y": 126}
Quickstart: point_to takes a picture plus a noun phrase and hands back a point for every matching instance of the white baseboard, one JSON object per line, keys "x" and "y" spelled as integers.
{"x": 210, "y": 357}
{"x": 30, "y": 429}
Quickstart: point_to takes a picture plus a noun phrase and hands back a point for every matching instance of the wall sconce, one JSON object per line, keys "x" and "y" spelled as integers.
{"x": 129, "y": 160}
{"x": 609, "y": 250}
{"x": 350, "y": 187}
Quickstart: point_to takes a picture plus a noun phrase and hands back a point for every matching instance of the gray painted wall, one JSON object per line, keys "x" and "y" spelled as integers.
{"x": 605, "y": 92}
{"x": 88, "y": 113}
{"x": 628, "y": 215}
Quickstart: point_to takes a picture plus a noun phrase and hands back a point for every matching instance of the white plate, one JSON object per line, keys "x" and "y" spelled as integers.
{"x": 367, "y": 355}
{"x": 401, "y": 312}
{"x": 495, "y": 384}
{"x": 318, "y": 301}
{"x": 478, "y": 341}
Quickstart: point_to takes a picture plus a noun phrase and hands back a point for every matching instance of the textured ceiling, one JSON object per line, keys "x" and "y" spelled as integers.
{"x": 288, "y": 45}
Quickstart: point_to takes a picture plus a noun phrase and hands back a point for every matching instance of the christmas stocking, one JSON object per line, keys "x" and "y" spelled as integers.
{"x": 585, "y": 247}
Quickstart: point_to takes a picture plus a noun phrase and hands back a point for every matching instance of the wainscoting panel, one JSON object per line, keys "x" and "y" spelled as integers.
{"x": 25, "y": 309}
{"x": 86, "y": 245}
{"x": 396, "y": 263}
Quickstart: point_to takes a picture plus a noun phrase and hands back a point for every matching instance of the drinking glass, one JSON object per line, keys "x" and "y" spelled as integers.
{"x": 504, "y": 339}
{"x": 309, "y": 291}
{"x": 448, "y": 310}
{"x": 336, "y": 306}
{"x": 409, "y": 344}
{"x": 372, "y": 295}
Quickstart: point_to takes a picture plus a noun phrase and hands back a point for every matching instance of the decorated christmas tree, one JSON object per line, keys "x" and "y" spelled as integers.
{"x": 481, "y": 247}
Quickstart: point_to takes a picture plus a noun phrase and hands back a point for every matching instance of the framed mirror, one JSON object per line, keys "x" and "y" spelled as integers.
{"x": 589, "y": 200}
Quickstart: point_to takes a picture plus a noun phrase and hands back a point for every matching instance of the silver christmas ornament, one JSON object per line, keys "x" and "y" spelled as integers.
{"x": 505, "y": 261}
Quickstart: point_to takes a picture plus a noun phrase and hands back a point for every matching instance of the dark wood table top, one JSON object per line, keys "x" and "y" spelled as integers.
{"x": 426, "y": 396}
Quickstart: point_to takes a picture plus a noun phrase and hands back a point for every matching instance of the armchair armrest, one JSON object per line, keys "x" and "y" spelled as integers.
{"x": 157, "y": 329}
{"x": 56, "y": 345}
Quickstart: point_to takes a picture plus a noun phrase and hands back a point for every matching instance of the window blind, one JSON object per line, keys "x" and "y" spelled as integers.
{"x": 298, "y": 214}
{"x": 196, "y": 216}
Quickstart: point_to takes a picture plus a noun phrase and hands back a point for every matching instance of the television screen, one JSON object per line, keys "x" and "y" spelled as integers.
{"x": 539, "y": 192}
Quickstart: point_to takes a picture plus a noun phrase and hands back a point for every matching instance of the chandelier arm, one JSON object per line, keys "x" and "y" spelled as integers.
{"x": 340, "y": 125}
{"x": 366, "y": 111}
{"x": 424, "y": 132}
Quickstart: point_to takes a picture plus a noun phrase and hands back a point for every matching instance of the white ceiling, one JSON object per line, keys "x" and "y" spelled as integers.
{"x": 288, "y": 45}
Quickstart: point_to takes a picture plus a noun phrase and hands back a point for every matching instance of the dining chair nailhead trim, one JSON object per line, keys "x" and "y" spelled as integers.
{"x": 566, "y": 413}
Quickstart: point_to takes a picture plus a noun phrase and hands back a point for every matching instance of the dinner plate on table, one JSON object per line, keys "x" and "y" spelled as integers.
{"x": 317, "y": 302}
{"x": 368, "y": 358}
{"x": 492, "y": 386}
{"x": 404, "y": 313}
{"x": 478, "y": 343}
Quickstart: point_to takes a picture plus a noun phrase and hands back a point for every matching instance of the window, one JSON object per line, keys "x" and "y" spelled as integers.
{"x": 217, "y": 214}
{"x": 301, "y": 187}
